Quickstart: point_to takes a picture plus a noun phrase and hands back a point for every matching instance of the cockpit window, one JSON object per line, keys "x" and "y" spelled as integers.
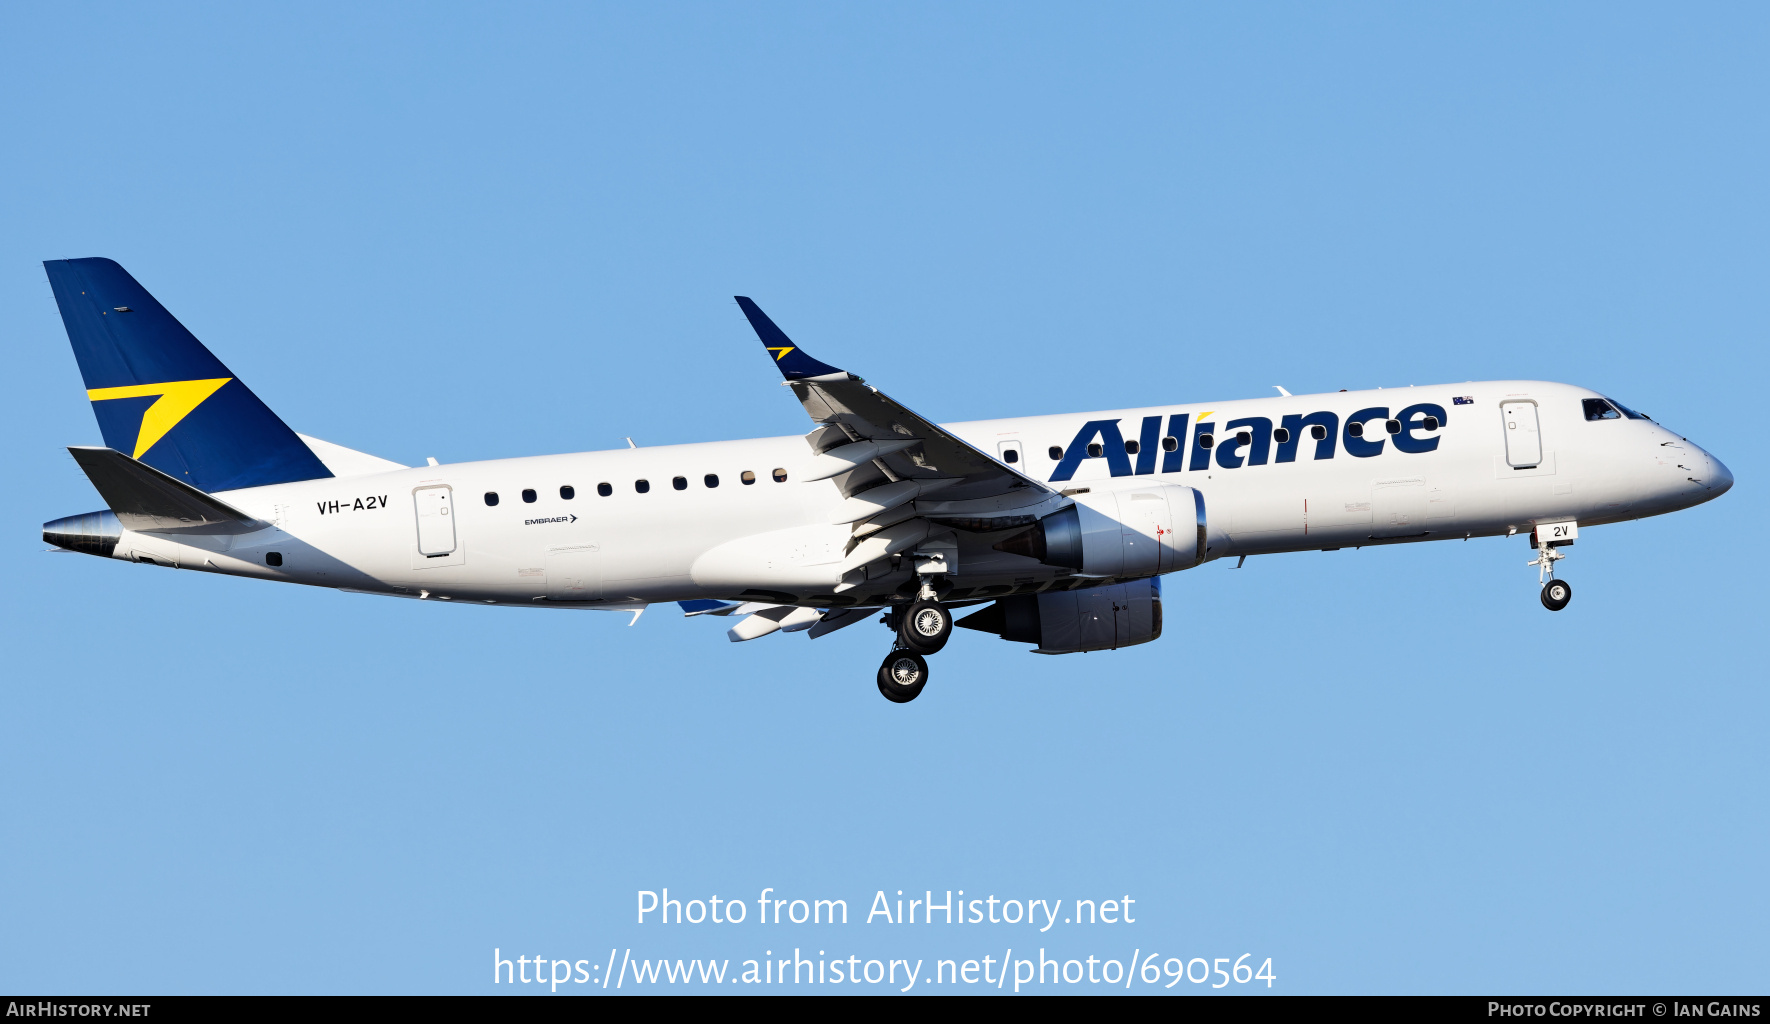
{"x": 1630, "y": 413}
{"x": 1599, "y": 409}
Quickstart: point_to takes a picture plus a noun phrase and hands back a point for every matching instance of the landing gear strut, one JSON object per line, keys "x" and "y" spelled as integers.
{"x": 923, "y": 628}
{"x": 1547, "y": 537}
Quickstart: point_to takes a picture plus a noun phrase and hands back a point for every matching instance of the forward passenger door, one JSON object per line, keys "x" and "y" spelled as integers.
{"x": 1524, "y": 444}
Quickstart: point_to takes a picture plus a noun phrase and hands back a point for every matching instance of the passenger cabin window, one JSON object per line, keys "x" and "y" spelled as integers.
{"x": 1392, "y": 426}
{"x": 1599, "y": 409}
{"x": 567, "y": 492}
{"x": 711, "y": 479}
{"x": 1430, "y": 423}
{"x": 1281, "y": 435}
{"x": 1131, "y": 447}
{"x": 605, "y": 489}
{"x": 273, "y": 558}
{"x": 747, "y": 477}
{"x": 1318, "y": 432}
{"x": 1206, "y": 440}
{"x": 1095, "y": 450}
{"x": 1011, "y": 456}
{"x": 1355, "y": 428}
{"x": 1170, "y": 443}
{"x": 780, "y": 476}
{"x": 679, "y": 482}
{"x": 528, "y": 495}
{"x": 642, "y": 486}
{"x": 491, "y": 497}
{"x": 1055, "y": 452}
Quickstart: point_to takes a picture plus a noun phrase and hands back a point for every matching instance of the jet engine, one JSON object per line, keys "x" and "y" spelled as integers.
{"x": 1068, "y": 621}
{"x": 1141, "y": 532}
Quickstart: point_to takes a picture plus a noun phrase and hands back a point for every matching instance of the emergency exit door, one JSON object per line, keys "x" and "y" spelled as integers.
{"x": 436, "y": 521}
{"x": 1524, "y": 445}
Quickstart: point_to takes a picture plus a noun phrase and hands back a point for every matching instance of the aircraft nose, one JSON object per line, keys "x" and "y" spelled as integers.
{"x": 1720, "y": 477}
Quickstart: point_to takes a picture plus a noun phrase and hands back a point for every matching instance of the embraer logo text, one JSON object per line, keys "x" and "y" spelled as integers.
{"x": 1250, "y": 440}
{"x": 374, "y": 501}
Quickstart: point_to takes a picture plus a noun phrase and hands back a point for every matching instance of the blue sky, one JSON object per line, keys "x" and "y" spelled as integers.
{"x": 471, "y": 232}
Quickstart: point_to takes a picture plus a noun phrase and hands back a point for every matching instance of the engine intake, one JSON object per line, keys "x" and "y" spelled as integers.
{"x": 1143, "y": 532}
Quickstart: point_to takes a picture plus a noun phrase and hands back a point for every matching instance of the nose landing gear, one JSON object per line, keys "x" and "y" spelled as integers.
{"x": 1547, "y": 537}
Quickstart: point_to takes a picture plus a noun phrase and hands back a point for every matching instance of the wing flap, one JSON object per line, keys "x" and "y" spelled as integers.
{"x": 840, "y": 619}
{"x": 847, "y": 457}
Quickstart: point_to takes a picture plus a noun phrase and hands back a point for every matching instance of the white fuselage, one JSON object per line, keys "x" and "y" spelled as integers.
{"x": 776, "y": 541}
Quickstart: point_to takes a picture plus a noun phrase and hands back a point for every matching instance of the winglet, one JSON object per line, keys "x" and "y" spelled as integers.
{"x": 794, "y": 362}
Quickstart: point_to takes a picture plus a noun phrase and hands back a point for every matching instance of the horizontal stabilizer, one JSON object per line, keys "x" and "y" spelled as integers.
{"x": 145, "y": 499}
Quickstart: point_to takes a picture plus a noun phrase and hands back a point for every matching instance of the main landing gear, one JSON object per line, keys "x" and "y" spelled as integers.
{"x": 902, "y": 676}
{"x": 923, "y": 628}
{"x": 1547, "y": 537}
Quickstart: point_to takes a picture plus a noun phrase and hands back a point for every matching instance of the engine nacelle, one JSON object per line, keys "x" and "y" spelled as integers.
{"x": 1070, "y": 621}
{"x": 1140, "y": 532}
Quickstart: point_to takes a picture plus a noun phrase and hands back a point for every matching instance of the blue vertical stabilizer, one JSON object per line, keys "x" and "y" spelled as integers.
{"x": 160, "y": 396}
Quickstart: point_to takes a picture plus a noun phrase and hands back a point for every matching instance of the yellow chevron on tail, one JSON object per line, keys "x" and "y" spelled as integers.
{"x": 177, "y": 399}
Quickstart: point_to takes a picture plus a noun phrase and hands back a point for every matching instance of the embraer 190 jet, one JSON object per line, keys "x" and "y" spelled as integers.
{"x": 1056, "y": 530}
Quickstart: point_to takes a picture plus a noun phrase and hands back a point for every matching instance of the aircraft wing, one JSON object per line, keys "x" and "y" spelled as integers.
{"x": 760, "y": 619}
{"x": 883, "y": 456}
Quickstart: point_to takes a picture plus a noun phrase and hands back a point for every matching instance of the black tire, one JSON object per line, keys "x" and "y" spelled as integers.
{"x": 1556, "y": 594}
{"x": 902, "y": 676}
{"x": 925, "y": 627}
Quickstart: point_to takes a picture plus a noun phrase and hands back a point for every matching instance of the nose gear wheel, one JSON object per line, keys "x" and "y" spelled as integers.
{"x": 1556, "y": 593}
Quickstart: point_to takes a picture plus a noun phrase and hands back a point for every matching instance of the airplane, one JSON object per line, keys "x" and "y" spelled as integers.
{"x": 1055, "y": 530}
